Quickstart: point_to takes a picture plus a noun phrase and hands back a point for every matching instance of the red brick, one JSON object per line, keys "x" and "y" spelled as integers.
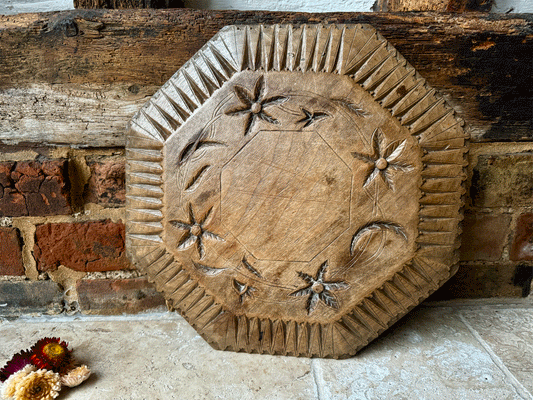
{"x": 502, "y": 180}
{"x": 522, "y": 247}
{"x": 11, "y": 254}
{"x": 484, "y": 236}
{"x": 84, "y": 246}
{"x": 34, "y": 188}
{"x": 117, "y": 296}
{"x": 106, "y": 184}
{"x": 5, "y": 174}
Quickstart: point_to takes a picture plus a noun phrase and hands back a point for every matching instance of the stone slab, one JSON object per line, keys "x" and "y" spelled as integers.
{"x": 431, "y": 354}
{"x": 509, "y": 333}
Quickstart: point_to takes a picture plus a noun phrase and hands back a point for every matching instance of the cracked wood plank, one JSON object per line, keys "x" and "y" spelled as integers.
{"x": 77, "y": 77}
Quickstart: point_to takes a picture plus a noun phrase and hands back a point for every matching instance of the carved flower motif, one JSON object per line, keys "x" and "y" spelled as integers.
{"x": 254, "y": 104}
{"x": 318, "y": 289}
{"x": 196, "y": 232}
{"x": 383, "y": 159}
{"x": 310, "y": 117}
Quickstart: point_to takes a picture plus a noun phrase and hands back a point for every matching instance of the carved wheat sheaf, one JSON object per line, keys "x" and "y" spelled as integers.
{"x": 236, "y": 126}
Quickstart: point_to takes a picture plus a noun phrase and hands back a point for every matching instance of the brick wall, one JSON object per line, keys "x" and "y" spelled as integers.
{"x": 497, "y": 239}
{"x": 62, "y": 231}
{"x": 62, "y": 234}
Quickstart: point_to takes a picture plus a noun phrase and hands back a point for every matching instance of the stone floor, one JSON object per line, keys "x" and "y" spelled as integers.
{"x": 472, "y": 350}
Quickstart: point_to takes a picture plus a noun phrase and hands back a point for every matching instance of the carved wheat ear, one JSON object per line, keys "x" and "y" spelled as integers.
{"x": 375, "y": 227}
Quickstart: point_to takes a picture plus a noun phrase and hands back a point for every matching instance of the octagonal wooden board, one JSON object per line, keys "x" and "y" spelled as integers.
{"x": 295, "y": 190}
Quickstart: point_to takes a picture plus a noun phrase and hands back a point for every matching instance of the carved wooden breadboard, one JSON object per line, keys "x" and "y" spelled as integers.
{"x": 295, "y": 190}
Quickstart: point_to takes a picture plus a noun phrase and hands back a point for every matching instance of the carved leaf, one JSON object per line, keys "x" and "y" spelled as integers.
{"x": 207, "y": 270}
{"x": 193, "y": 147}
{"x": 307, "y": 278}
{"x": 302, "y": 292}
{"x": 322, "y": 271}
{"x": 336, "y": 285}
{"x": 211, "y": 235}
{"x": 259, "y": 88}
{"x": 239, "y": 286}
{"x": 329, "y": 299}
{"x": 268, "y": 118}
{"x": 250, "y": 268}
{"x": 239, "y": 110}
{"x": 179, "y": 224}
{"x": 195, "y": 180}
{"x": 248, "y": 122}
{"x": 243, "y": 95}
{"x": 312, "y": 301}
{"x": 187, "y": 241}
{"x": 274, "y": 100}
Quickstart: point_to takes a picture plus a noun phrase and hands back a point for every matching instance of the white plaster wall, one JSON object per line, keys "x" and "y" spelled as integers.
{"x": 24, "y": 6}
{"x": 284, "y": 5}
{"x": 517, "y": 6}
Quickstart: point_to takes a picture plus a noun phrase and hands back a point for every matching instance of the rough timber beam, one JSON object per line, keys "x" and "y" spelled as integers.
{"x": 77, "y": 77}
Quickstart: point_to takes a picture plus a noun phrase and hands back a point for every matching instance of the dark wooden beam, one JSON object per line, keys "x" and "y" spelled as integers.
{"x": 124, "y": 4}
{"x": 67, "y": 76}
{"x": 433, "y": 5}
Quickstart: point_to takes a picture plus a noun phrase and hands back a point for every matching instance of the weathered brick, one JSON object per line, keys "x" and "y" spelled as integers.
{"x": 106, "y": 184}
{"x": 522, "y": 247}
{"x": 11, "y": 253}
{"x": 478, "y": 281}
{"x": 24, "y": 297}
{"x": 117, "y": 296}
{"x": 484, "y": 236}
{"x": 503, "y": 180}
{"x": 83, "y": 246}
{"x": 34, "y": 188}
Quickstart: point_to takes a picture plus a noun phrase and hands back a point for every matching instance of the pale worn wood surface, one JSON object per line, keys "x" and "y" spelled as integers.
{"x": 434, "y": 5}
{"x": 481, "y": 63}
{"x": 295, "y": 190}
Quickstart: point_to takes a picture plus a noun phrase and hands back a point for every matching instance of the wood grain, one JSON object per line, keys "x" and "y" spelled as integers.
{"x": 107, "y": 63}
{"x": 434, "y": 5}
{"x": 295, "y": 190}
{"x": 123, "y": 4}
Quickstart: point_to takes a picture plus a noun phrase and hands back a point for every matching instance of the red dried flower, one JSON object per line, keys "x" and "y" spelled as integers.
{"x": 51, "y": 354}
{"x": 17, "y": 362}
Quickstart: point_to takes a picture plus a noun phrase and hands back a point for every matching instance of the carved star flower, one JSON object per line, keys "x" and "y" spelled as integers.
{"x": 254, "y": 104}
{"x": 317, "y": 289}
{"x": 311, "y": 117}
{"x": 383, "y": 159}
{"x": 196, "y": 232}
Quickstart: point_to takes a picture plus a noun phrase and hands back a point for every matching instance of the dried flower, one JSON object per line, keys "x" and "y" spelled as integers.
{"x": 10, "y": 385}
{"x": 76, "y": 376}
{"x": 18, "y": 362}
{"x": 39, "y": 385}
{"x": 51, "y": 354}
